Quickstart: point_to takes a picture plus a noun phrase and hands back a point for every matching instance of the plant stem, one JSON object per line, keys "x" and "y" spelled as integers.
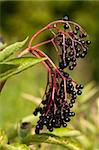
{"x": 53, "y": 25}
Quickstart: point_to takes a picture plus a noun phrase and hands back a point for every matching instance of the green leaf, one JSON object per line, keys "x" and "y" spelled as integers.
{"x": 2, "y": 46}
{"x": 67, "y": 132}
{"x": 31, "y": 118}
{"x": 7, "y": 66}
{"x": 85, "y": 142}
{"x": 17, "y": 65}
{"x": 2, "y": 83}
{"x": 15, "y": 146}
{"x": 5, "y": 53}
{"x": 52, "y": 139}
{"x": 21, "y": 146}
{"x": 3, "y": 138}
{"x": 62, "y": 136}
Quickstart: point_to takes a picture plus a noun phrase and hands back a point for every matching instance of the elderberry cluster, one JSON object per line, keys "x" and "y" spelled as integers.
{"x": 56, "y": 113}
{"x": 73, "y": 45}
{"x": 62, "y": 91}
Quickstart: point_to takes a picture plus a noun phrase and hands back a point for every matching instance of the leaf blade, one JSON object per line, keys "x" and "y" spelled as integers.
{"x": 51, "y": 139}
{"x": 20, "y": 64}
{"x": 9, "y": 50}
{"x": 3, "y": 138}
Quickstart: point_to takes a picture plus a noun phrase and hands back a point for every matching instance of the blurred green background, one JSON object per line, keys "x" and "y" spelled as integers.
{"x": 20, "y": 19}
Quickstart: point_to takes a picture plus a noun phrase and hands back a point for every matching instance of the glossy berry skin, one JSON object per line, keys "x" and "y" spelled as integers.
{"x": 65, "y": 18}
{"x": 71, "y": 114}
{"x": 72, "y": 100}
{"x": 66, "y": 26}
{"x": 88, "y": 42}
{"x": 71, "y": 67}
{"x": 81, "y": 86}
{"x": 77, "y": 28}
{"x": 79, "y": 92}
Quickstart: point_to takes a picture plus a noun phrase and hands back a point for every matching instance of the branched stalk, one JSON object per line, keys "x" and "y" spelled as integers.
{"x": 69, "y": 45}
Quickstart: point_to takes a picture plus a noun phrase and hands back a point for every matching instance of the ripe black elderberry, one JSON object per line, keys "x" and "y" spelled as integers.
{"x": 88, "y": 42}
{"x": 76, "y": 28}
{"x": 66, "y": 26}
{"x": 71, "y": 114}
{"x": 82, "y": 55}
{"x": 65, "y": 18}
{"x": 56, "y": 112}
{"x": 79, "y": 92}
{"x": 72, "y": 100}
{"x": 75, "y": 32}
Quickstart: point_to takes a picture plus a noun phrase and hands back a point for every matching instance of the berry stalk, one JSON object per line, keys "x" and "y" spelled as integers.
{"x": 69, "y": 41}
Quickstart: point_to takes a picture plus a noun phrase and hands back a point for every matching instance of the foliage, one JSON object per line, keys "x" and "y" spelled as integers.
{"x": 14, "y": 66}
{"x": 11, "y": 49}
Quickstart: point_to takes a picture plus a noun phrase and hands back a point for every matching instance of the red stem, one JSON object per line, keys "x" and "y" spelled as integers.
{"x": 43, "y": 54}
{"x": 43, "y": 62}
{"x": 49, "y": 26}
{"x": 53, "y": 65}
{"x": 42, "y": 43}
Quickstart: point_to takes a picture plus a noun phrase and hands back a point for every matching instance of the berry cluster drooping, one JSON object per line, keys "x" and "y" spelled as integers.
{"x": 58, "y": 100}
{"x": 73, "y": 45}
{"x": 61, "y": 90}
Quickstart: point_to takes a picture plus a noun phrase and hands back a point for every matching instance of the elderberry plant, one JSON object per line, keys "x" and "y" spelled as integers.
{"x": 70, "y": 42}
